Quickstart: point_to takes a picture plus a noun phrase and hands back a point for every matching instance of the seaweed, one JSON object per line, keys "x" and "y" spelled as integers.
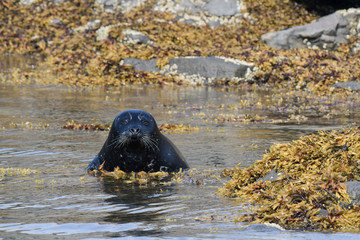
{"x": 310, "y": 193}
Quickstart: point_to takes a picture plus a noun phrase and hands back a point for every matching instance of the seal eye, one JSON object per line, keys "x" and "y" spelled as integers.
{"x": 145, "y": 122}
{"x": 125, "y": 121}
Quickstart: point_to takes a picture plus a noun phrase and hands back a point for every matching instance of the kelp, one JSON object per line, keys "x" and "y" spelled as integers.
{"x": 191, "y": 176}
{"x": 16, "y": 172}
{"x": 96, "y": 126}
{"x": 177, "y": 128}
{"x": 26, "y": 125}
{"x": 310, "y": 193}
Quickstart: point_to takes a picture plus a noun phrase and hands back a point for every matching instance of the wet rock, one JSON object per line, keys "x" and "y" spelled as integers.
{"x": 351, "y": 85}
{"x": 135, "y": 37}
{"x": 197, "y": 70}
{"x": 267, "y": 227}
{"x": 326, "y": 33}
{"x": 353, "y": 189}
{"x": 201, "y": 12}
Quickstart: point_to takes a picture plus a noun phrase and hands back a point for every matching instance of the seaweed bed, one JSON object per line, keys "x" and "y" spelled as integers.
{"x": 310, "y": 194}
{"x": 75, "y": 58}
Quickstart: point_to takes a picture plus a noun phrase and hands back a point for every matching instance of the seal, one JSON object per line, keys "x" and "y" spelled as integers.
{"x": 135, "y": 144}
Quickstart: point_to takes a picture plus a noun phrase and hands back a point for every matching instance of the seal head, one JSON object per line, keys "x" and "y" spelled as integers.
{"x": 136, "y": 144}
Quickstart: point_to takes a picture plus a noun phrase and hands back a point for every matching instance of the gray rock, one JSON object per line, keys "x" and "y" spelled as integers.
{"x": 202, "y": 12}
{"x": 197, "y": 69}
{"x": 142, "y": 65}
{"x": 352, "y": 15}
{"x": 93, "y": 25}
{"x": 211, "y": 67}
{"x": 118, "y": 5}
{"x": 222, "y": 7}
{"x": 351, "y": 85}
{"x": 326, "y": 33}
{"x": 56, "y": 21}
{"x": 27, "y": 2}
{"x": 211, "y": 7}
{"x": 135, "y": 37}
{"x": 353, "y": 189}
{"x": 267, "y": 227}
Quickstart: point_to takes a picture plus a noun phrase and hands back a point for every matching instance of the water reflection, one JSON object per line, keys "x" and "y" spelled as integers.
{"x": 145, "y": 204}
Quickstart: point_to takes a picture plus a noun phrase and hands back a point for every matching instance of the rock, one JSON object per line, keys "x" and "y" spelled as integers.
{"x": 27, "y": 2}
{"x": 211, "y": 67}
{"x": 118, "y": 5}
{"x": 135, "y": 37}
{"x": 351, "y": 85}
{"x": 212, "y": 7}
{"x": 353, "y": 189}
{"x": 352, "y": 15}
{"x": 197, "y": 70}
{"x": 266, "y": 227}
{"x": 56, "y": 21}
{"x": 222, "y": 7}
{"x": 201, "y": 12}
{"x": 326, "y": 33}
{"x": 142, "y": 65}
{"x": 89, "y": 26}
{"x": 93, "y": 25}
{"x": 103, "y": 32}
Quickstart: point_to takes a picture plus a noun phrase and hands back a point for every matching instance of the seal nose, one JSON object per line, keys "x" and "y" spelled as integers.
{"x": 134, "y": 131}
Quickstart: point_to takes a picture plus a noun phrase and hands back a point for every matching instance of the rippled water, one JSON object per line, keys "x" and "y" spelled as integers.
{"x": 62, "y": 202}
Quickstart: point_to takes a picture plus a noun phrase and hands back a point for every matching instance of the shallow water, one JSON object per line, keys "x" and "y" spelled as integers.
{"x": 62, "y": 202}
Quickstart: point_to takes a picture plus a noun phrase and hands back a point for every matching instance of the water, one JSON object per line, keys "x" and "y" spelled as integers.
{"x": 62, "y": 202}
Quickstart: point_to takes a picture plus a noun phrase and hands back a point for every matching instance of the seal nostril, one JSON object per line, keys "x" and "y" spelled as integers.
{"x": 134, "y": 130}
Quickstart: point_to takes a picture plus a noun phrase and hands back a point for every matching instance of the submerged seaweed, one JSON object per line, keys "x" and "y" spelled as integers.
{"x": 310, "y": 193}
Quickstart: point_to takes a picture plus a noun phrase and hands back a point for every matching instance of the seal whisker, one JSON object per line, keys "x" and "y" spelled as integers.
{"x": 119, "y": 142}
{"x": 149, "y": 142}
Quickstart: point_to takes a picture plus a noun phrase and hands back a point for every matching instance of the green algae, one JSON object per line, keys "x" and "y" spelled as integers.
{"x": 310, "y": 193}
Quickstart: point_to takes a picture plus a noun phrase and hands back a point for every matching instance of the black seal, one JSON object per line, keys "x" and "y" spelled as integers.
{"x": 135, "y": 144}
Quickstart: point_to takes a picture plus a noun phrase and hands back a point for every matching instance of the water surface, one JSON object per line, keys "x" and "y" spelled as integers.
{"x": 62, "y": 202}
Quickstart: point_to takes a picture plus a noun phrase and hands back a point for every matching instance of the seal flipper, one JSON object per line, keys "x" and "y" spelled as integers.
{"x": 94, "y": 165}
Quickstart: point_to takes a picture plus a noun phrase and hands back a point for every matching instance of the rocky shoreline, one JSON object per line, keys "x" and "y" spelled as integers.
{"x": 109, "y": 42}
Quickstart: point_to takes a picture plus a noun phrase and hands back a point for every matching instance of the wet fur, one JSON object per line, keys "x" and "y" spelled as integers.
{"x": 136, "y": 144}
